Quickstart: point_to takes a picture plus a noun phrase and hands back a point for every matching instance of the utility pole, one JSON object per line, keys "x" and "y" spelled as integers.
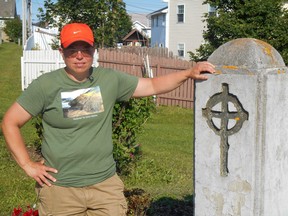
{"x": 24, "y": 28}
{"x": 26, "y": 20}
{"x": 29, "y": 19}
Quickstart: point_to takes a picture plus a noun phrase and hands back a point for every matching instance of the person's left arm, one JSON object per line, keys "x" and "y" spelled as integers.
{"x": 163, "y": 84}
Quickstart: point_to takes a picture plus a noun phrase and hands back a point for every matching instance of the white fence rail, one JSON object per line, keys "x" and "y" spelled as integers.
{"x": 37, "y": 62}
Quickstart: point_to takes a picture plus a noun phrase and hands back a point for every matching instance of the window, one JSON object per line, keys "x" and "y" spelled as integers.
{"x": 163, "y": 20}
{"x": 180, "y": 14}
{"x": 211, "y": 10}
{"x": 181, "y": 50}
{"x": 157, "y": 21}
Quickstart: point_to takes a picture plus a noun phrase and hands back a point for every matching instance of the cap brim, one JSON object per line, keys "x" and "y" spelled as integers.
{"x": 73, "y": 40}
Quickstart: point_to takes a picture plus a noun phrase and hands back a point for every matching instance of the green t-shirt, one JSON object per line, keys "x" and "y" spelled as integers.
{"x": 77, "y": 121}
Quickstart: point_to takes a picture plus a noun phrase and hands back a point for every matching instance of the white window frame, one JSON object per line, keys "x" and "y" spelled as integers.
{"x": 181, "y": 50}
{"x": 211, "y": 10}
{"x": 180, "y": 13}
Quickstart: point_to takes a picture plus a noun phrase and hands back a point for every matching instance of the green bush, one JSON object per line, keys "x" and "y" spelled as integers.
{"x": 13, "y": 29}
{"x": 37, "y": 123}
{"x": 128, "y": 117}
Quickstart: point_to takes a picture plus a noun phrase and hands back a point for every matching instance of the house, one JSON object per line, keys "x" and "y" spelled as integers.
{"x": 7, "y": 11}
{"x": 186, "y": 26}
{"x": 180, "y": 26}
{"x": 141, "y": 31}
{"x": 141, "y": 23}
{"x": 159, "y": 27}
{"x": 136, "y": 38}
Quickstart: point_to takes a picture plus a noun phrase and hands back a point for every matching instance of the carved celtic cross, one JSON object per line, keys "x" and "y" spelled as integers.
{"x": 225, "y": 115}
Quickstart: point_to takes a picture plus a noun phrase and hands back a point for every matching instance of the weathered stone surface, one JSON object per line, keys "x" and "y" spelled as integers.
{"x": 247, "y": 53}
{"x": 255, "y": 181}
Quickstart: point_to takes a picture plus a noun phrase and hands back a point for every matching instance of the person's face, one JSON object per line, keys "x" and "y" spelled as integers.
{"x": 78, "y": 57}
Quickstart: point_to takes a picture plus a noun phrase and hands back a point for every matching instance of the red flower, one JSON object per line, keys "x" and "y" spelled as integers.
{"x": 36, "y": 213}
{"x": 30, "y": 212}
{"x": 17, "y": 212}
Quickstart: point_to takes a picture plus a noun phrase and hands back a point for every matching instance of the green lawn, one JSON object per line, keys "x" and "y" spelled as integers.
{"x": 15, "y": 187}
{"x": 165, "y": 170}
{"x": 166, "y": 166}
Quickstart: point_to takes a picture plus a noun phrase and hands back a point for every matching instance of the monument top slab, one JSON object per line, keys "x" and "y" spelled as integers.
{"x": 247, "y": 54}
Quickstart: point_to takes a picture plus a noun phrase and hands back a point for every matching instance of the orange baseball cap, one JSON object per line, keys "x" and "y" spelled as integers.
{"x": 73, "y": 32}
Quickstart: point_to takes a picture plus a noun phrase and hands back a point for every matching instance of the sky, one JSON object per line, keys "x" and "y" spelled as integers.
{"x": 132, "y": 6}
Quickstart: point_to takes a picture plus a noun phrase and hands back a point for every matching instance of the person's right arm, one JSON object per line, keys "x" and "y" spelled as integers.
{"x": 13, "y": 120}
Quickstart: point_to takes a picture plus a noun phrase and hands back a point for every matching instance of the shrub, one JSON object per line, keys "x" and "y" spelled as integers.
{"x": 128, "y": 117}
{"x": 13, "y": 29}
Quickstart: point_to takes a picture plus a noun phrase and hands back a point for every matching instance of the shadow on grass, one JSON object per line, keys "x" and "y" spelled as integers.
{"x": 168, "y": 206}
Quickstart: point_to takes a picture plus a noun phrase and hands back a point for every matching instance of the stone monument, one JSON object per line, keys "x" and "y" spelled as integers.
{"x": 241, "y": 133}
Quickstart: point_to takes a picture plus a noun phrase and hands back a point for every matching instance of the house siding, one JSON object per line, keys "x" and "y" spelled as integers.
{"x": 158, "y": 37}
{"x": 7, "y": 9}
{"x": 190, "y": 32}
{"x": 7, "y": 12}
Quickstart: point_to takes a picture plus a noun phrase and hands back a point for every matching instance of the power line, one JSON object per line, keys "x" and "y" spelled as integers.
{"x": 145, "y": 7}
{"x": 130, "y": 8}
{"x": 133, "y": 6}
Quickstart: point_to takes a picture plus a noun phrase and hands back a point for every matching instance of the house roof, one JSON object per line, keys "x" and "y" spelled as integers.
{"x": 7, "y": 9}
{"x": 135, "y": 34}
{"x": 160, "y": 11}
{"x": 140, "y": 18}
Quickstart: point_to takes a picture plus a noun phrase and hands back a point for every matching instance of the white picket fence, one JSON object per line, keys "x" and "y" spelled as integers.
{"x": 37, "y": 62}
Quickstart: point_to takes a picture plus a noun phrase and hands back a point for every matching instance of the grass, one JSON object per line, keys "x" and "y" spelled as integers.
{"x": 165, "y": 170}
{"x": 15, "y": 187}
{"x": 166, "y": 165}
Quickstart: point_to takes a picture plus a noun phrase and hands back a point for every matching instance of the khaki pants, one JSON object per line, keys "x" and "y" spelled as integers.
{"x": 102, "y": 199}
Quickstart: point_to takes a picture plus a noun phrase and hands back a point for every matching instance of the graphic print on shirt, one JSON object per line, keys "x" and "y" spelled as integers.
{"x": 82, "y": 102}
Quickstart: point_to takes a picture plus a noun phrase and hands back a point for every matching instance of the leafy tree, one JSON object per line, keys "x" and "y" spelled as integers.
{"x": 265, "y": 20}
{"x": 13, "y": 29}
{"x": 108, "y": 18}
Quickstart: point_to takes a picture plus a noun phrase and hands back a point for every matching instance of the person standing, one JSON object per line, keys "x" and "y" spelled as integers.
{"x": 78, "y": 173}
